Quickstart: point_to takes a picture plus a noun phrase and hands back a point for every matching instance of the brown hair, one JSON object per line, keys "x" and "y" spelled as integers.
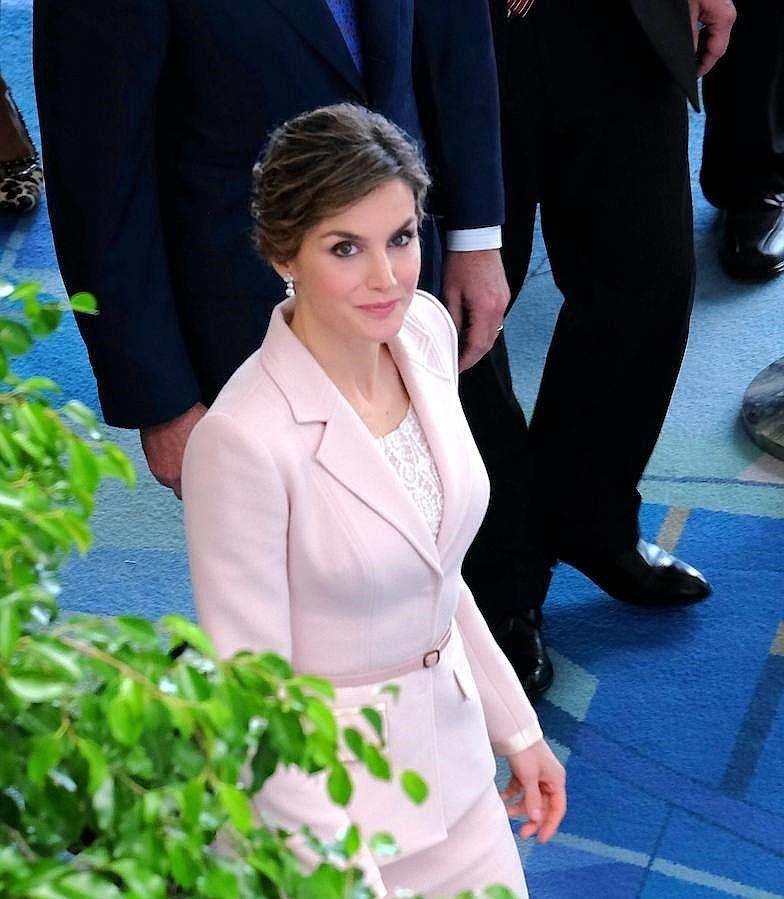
{"x": 321, "y": 162}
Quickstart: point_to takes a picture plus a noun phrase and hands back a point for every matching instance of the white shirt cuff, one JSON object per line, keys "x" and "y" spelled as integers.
{"x": 467, "y": 239}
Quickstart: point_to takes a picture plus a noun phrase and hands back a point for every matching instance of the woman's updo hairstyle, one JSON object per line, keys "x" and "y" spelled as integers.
{"x": 320, "y": 163}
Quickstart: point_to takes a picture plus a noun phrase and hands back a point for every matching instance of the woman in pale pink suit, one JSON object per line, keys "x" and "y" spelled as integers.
{"x": 331, "y": 493}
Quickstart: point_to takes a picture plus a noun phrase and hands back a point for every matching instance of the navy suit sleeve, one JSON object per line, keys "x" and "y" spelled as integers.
{"x": 457, "y": 93}
{"x": 98, "y": 70}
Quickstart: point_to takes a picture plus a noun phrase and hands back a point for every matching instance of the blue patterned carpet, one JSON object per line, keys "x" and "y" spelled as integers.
{"x": 671, "y": 724}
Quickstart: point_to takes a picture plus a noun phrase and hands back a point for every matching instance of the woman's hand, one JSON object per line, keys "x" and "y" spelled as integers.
{"x": 536, "y": 790}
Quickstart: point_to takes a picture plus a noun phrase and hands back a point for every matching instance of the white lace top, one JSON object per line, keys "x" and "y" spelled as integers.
{"x": 409, "y": 454}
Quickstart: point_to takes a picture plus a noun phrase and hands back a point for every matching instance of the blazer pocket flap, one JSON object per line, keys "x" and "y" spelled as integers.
{"x": 465, "y": 679}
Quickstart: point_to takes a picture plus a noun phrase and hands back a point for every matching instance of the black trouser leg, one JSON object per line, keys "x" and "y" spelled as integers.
{"x": 592, "y": 117}
{"x": 743, "y": 147}
{"x": 508, "y": 567}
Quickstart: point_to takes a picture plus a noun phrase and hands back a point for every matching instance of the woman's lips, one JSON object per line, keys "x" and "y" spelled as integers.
{"x": 379, "y": 308}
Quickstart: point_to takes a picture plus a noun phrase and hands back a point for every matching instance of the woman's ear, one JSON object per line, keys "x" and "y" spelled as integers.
{"x": 281, "y": 268}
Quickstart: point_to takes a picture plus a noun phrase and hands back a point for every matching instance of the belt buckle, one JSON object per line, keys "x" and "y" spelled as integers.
{"x": 431, "y": 659}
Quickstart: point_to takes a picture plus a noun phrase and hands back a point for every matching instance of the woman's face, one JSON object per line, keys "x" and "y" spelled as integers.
{"x": 355, "y": 272}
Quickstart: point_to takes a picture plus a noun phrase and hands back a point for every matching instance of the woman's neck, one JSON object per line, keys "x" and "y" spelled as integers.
{"x": 363, "y": 371}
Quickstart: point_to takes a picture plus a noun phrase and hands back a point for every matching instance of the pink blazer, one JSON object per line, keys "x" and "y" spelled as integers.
{"x": 303, "y": 540}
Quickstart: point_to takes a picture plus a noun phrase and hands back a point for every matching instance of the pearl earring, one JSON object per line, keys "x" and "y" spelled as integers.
{"x": 289, "y": 280}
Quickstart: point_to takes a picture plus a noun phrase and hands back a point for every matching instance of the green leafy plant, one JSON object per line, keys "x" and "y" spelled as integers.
{"x": 129, "y": 753}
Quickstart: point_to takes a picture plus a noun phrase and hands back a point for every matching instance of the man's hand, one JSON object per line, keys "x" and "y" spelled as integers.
{"x": 710, "y": 41}
{"x": 536, "y": 789}
{"x": 476, "y": 295}
{"x": 164, "y": 446}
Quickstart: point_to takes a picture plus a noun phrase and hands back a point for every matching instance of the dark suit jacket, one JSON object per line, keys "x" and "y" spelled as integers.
{"x": 152, "y": 113}
{"x": 667, "y": 24}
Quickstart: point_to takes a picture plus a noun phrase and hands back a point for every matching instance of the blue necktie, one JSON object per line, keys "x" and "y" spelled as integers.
{"x": 345, "y": 14}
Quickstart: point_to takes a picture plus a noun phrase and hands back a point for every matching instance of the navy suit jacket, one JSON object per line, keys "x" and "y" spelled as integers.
{"x": 164, "y": 106}
{"x": 667, "y": 24}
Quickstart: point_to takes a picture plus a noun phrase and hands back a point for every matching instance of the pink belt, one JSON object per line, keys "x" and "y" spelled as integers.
{"x": 429, "y": 660}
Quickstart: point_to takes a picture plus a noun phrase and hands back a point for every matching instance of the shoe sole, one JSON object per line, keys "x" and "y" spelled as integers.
{"x": 750, "y": 275}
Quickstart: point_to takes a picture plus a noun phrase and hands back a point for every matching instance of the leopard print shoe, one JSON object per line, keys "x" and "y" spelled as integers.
{"x": 21, "y": 183}
{"x": 21, "y": 178}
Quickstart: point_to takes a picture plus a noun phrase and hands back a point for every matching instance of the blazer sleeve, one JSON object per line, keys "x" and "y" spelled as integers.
{"x": 98, "y": 69}
{"x": 236, "y": 524}
{"x": 457, "y": 95}
{"x": 511, "y": 721}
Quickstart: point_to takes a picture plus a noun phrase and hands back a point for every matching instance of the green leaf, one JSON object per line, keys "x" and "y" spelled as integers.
{"x": 183, "y": 867}
{"x": 327, "y": 882}
{"x": 321, "y": 717}
{"x": 47, "y": 320}
{"x": 103, "y": 803}
{"x": 376, "y": 763}
{"x": 78, "y": 529}
{"x": 414, "y": 787}
{"x": 89, "y": 885}
{"x": 263, "y": 765}
{"x": 353, "y": 739}
{"x": 236, "y": 805}
{"x": 125, "y": 713}
{"x": 352, "y": 841}
{"x": 51, "y": 654}
{"x": 8, "y": 452}
{"x": 97, "y": 764}
{"x": 374, "y": 719}
{"x": 221, "y": 883}
{"x": 144, "y": 883}
{"x": 184, "y": 631}
{"x": 275, "y": 665}
{"x": 191, "y": 683}
{"x": 191, "y": 801}
{"x": 138, "y": 631}
{"x": 83, "y": 465}
{"x": 339, "y": 785}
{"x": 392, "y": 689}
{"x": 37, "y": 688}
{"x": 82, "y": 415}
{"x": 10, "y": 629}
{"x": 10, "y": 498}
{"x": 383, "y": 844}
{"x": 45, "y": 753}
{"x": 84, "y": 302}
{"x": 37, "y": 384}
{"x": 498, "y": 891}
{"x": 15, "y": 338}
{"x": 315, "y": 684}
{"x": 115, "y": 464}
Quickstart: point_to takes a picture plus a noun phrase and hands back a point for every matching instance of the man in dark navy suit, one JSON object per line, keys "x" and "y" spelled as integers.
{"x": 743, "y": 150}
{"x": 594, "y": 132}
{"x": 152, "y": 113}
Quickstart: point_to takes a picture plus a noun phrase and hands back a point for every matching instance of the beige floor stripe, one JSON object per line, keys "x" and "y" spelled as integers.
{"x": 672, "y": 528}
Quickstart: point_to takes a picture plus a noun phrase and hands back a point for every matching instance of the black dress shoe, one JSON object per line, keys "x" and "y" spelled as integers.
{"x": 644, "y": 576}
{"x": 519, "y": 636}
{"x": 752, "y": 239}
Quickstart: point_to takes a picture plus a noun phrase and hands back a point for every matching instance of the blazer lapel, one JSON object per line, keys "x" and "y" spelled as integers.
{"x": 315, "y": 23}
{"x": 347, "y": 449}
{"x": 434, "y": 396}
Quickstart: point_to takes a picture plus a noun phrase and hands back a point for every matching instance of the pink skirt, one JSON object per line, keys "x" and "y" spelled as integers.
{"x": 479, "y": 851}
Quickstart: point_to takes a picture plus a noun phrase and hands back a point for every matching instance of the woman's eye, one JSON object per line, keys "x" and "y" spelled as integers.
{"x": 345, "y": 248}
{"x": 403, "y": 239}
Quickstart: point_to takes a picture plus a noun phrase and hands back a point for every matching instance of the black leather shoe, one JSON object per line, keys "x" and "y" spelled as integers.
{"x": 752, "y": 240}
{"x": 644, "y": 576}
{"x": 519, "y": 636}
